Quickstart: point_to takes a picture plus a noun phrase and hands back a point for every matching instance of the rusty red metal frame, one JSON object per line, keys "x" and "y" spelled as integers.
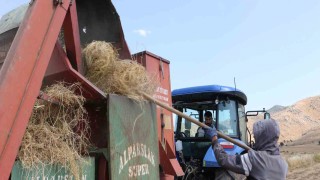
{"x": 36, "y": 58}
{"x": 23, "y": 71}
{"x": 60, "y": 69}
{"x": 72, "y": 38}
{"x": 168, "y": 160}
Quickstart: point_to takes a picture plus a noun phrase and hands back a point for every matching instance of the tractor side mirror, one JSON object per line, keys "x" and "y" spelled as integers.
{"x": 266, "y": 115}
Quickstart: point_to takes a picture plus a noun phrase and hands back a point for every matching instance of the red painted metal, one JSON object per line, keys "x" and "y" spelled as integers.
{"x": 166, "y": 177}
{"x": 170, "y": 152}
{"x": 170, "y": 166}
{"x": 28, "y": 61}
{"x": 60, "y": 69}
{"x": 103, "y": 169}
{"x": 72, "y": 38}
{"x": 159, "y": 67}
{"x": 43, "y": 62}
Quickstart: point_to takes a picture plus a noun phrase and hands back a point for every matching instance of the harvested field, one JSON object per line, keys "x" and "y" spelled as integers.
{"x": 309, "y": 172}
{"x": 303, "y": 160}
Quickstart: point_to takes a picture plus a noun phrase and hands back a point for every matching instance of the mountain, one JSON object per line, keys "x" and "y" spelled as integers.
{"x": 295, "y": 120}
{"x": 276, "y": 108}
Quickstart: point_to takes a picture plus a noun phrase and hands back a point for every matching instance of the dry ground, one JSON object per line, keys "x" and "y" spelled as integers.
{"x": 309, "y": 172}
{"x": 303, "y": 159}
{"x": 300, "y": 149}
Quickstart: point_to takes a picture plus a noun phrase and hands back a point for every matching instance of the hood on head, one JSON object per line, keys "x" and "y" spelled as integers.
{"x": 266, "y": 133}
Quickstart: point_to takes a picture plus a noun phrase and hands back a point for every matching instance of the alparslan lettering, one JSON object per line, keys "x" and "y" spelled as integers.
{"x": 133, "y": 151}
{"x": 138, "y": 170}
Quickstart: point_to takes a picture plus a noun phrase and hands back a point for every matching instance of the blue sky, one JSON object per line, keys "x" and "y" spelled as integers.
{"x": 271, "y": 47}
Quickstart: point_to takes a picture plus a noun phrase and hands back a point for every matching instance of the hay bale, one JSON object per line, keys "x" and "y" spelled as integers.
{"x": 50, "y": 137}
{"x": 112, "y": 75}
{"x": 100, "y": 59}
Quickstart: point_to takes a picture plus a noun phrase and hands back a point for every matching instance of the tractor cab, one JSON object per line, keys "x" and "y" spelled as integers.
{"x": 226, "y": 105}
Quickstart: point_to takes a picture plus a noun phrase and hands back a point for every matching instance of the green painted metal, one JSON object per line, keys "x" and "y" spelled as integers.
{"x": 53, "y": 172}
{"x": 133, "y": 142}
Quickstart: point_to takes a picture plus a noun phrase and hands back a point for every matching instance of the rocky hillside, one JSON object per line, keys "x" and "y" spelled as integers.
{"x": 276, "y": 108}
{"x": 295, "y": 120}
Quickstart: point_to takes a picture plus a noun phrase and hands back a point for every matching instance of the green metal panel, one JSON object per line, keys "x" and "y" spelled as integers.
{"x": 133, "y": 142}
{"x": 53, "y": 172}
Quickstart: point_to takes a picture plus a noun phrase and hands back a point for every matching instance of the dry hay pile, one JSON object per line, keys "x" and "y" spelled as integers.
{"x": 302, "y": 160}
{"x": 50, "y": 137}
{"x": 112, "y": 75}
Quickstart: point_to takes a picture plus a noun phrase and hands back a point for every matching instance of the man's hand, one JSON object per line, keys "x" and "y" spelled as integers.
{"x": 211, "y": 132}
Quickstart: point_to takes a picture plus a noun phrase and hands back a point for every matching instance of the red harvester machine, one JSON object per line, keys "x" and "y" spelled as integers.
{"x": 32, "y": 56}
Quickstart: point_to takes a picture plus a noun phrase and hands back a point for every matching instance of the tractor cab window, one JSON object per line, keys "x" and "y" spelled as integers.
{"x": 189, "y": 129}
{"x": 227, "y": 118}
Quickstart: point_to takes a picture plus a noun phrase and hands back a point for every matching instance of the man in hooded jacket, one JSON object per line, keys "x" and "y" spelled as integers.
{"x": 264, "y": 162}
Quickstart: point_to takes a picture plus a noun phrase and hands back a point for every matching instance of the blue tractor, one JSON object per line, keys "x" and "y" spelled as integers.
{"x": 194, "y": 152}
